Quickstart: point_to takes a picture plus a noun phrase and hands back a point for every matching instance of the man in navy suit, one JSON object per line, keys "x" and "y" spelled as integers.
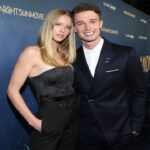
{"x": 110, "y": 86}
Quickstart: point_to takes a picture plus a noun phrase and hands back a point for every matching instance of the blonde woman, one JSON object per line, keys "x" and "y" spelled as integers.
{"x": 48, "y": 65}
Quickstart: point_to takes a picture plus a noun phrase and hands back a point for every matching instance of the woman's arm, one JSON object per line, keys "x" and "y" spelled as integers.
{"x": 23, "y": 67}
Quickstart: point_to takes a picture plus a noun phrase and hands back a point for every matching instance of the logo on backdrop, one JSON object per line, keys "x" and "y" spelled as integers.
{"x": 130, "y": 36}
{"x": 21, "y": 12}
{"x": 111, "y": 31}
{"x": 109, "y": 6}
{"x": 143, "y": 20}
{"x": 141, "y": 37}
{"x": 129, "y": 14}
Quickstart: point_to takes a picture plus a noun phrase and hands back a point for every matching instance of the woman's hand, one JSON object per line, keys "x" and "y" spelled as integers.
{"x": 37, "y": 125}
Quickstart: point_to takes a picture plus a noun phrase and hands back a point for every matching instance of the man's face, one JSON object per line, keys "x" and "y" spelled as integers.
{"x": 87, "y": 24}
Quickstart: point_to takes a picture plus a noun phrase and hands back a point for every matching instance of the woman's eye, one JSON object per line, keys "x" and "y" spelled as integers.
{"x": 68, "y": 28}
{"x": 57, "y": 24}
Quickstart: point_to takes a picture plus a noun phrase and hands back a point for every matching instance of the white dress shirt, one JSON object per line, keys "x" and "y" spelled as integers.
{"x": 92, "y": 56}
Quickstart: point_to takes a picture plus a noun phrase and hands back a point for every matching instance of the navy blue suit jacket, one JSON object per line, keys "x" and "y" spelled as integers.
{"x": 116, "y": 94}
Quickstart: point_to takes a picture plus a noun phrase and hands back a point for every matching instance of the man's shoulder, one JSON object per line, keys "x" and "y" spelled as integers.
{"x": 79, "y": 48}
{"x": 119, "y": 47}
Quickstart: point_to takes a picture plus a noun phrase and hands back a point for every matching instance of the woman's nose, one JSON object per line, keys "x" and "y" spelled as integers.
{"x": 63, "y": 29}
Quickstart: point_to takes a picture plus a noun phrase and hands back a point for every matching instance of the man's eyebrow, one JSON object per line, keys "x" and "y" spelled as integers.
{"x": 78, "y": 21}
{"x": 94, "y": 19}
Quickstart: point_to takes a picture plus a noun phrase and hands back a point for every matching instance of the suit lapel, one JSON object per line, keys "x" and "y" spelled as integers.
{"x": 105, "y": 59}
{"x": 82, "y": 64}
{"x": 106, "y": 56}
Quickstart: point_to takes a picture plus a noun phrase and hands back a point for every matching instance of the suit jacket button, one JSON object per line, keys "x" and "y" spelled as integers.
{"x": 90, "y": 100}
{"x": 61, "y": 105}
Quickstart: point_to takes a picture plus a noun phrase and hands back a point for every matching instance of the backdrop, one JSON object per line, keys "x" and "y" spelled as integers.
{"x": 20, "y": 21}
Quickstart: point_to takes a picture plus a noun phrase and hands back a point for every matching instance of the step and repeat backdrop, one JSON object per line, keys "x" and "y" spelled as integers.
{"x": 19, "y": 25}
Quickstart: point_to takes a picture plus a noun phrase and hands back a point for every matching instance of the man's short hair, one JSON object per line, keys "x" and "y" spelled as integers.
{"x": 85, "y": 7}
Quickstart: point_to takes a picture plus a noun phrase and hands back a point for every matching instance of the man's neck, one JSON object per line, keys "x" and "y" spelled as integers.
{"x": 92, "y": 44}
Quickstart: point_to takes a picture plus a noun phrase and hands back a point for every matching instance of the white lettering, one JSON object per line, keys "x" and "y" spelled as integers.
{"x": 129, "y": 36}
{"x": 109, "y": 6}
{"x": 111, "y": 31}
{"x": 20, "y": 12}
{"x": 141, "y": 37}
{"x": 143, "y": 20}
{"x": 129, "y": 14}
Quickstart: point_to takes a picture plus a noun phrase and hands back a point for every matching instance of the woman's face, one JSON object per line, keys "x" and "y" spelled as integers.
{"x": 61, "y": 28}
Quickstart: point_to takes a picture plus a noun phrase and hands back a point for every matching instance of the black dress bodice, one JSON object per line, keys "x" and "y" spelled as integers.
{"x": 54, "y": 83}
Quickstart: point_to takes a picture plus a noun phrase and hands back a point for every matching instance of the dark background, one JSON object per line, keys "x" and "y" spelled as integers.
{"x": 143, "y": 5}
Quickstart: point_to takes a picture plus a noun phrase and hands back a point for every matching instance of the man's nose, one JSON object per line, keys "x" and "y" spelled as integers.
{"x": 87, "y": 26}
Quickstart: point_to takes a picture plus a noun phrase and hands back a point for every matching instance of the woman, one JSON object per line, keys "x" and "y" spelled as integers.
{"x": 48, "y": 66}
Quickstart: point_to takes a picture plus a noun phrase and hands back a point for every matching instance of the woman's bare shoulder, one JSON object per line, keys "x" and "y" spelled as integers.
{"x": 32, "y": 50}
{"x": 30, "y": 54}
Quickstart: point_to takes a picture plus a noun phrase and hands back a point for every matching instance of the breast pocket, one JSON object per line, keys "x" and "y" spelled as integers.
{"x": 112, "y": 70}
{"x": 114, "y": 75}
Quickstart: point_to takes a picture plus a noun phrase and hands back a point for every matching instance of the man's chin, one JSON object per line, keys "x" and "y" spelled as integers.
{"x": 88, "y": 40}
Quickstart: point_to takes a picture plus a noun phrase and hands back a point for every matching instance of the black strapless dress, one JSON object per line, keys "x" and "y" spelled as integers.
{"x": 57, "y": 110}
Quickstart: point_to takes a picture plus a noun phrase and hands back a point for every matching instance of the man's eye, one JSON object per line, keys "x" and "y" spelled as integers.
{"x": 79, "y": 23}
{"x": 93, "y": 21}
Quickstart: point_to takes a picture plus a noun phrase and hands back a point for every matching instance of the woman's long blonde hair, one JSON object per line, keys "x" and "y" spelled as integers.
{"x": 67, "y": 48}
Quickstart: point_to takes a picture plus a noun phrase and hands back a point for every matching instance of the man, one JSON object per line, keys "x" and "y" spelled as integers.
{"x": 110, "y": 85}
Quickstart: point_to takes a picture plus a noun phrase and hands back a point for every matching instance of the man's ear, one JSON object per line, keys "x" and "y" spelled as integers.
{"x": 101, "y": 24}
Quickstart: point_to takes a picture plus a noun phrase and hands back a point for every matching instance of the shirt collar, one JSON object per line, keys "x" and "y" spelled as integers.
{"x": 96, "y": 49}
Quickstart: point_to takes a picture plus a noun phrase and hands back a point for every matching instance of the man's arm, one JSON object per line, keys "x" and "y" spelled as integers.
{"x": 137, "y": 90}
